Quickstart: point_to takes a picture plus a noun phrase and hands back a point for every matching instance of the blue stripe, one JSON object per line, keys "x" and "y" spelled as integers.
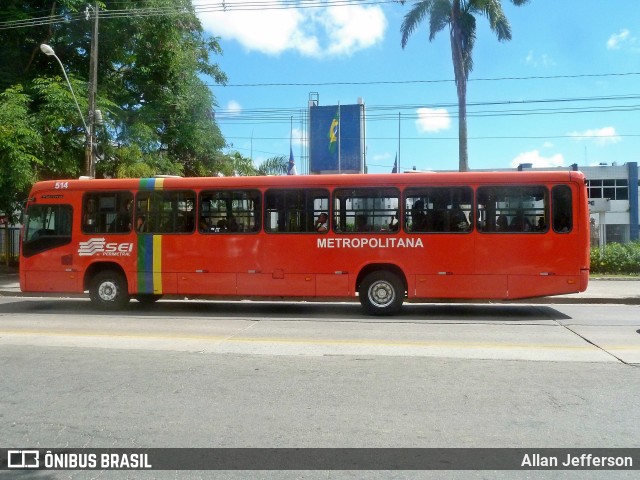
{"x": 147, "y": 183}
{"x": 145, "y": 263}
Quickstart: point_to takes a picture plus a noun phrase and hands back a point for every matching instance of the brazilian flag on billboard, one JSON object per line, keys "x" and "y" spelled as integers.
{"x": 336, "y": 139}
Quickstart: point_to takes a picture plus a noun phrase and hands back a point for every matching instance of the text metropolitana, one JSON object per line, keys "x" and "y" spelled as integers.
{"x": 374, "y": 242}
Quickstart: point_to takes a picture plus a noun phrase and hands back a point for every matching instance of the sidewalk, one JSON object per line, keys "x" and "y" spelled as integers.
{"x": 600, "y": 290}
{"x": 624, "y": 291}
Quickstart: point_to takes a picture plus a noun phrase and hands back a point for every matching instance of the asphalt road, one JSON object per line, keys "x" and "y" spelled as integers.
{"x": 246, "y": 374}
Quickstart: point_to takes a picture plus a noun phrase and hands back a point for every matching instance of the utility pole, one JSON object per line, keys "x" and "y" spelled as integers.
{"x": 90, "y": 151}
{"x": 399, "y": 156}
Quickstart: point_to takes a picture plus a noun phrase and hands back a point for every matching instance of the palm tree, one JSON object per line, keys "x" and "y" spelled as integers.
{"x": 274, "y": 166}
{"x": 459, "y": 15}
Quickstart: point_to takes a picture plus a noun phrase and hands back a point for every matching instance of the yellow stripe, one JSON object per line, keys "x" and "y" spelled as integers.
{"x": 159, "y": 184}
{"x": 303, "y": 341}
{"x": 157, "y": 264}
{"x": 309, "y": 341}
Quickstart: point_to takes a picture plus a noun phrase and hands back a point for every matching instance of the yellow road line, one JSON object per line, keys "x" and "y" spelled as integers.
{"x": 310, "y": 341}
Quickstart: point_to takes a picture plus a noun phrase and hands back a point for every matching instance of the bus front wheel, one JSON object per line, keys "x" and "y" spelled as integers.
{"x": 381, "y": 293}
{"x": 109, "y": 291}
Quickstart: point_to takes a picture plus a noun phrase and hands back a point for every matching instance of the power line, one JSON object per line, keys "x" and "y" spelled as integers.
{"x": 389, "y": 112}
{"x": 207, "y": 7}
{"x": 430, "y": 139}
{"x": 405, "y": 82}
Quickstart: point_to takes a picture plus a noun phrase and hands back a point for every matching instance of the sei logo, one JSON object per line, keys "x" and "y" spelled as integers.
{"x": 100, "y": 247}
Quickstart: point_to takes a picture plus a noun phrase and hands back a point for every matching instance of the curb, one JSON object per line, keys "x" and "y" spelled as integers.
{"x": 559, "y": 300}
{"x": 9, "y": 287}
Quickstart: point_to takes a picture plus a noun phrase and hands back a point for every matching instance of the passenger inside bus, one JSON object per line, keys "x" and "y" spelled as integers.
{"x": 418, "y": 217}
{"x": 394, "y": 224}
{"x": 228, "y": 224}
{"x": 122, "y": 222}
{"x": 203, "y": 224}
{"x": 232, "y": 224}
{"x": 361, "y": 224}
{"x": 502, "y": 223}
{"x": 458, "y": 220}
{"x": 321, "y": 224}
{"x": 520, "y": 223}
{"x": 90, "y": 216}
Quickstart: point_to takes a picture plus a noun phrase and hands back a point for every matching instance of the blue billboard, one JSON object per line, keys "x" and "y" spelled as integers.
{"x": 336, "y": 139}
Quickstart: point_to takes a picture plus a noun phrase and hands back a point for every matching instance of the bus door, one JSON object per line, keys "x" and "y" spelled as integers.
{"x": 286, "y": 264}
{"x": 224, "y": 245}
{"x": 48, "y": 262}
{"x": 280, "y": 269}
{"x": 442, "y": 217}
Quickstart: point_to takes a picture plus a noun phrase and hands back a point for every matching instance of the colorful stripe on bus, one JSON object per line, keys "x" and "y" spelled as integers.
{"x": 150, "y": 250}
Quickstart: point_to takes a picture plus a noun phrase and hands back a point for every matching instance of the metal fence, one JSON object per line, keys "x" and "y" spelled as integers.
{"x": 9, "y": 244}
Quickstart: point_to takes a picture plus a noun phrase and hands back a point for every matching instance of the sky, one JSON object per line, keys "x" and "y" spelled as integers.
{"x": 565, "y": 89}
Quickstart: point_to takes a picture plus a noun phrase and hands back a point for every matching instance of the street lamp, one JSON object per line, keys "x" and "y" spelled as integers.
{"x": 47, "y": 50}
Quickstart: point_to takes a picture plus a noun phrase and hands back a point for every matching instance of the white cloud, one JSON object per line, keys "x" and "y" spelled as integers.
{"x": 298, "y": 137}
{"x": 431, "y": 120}
{"x": 353, "y": 28}
{"x": 543, "y": 60}
{"x": 233, "y": 107}
{"x": 382, "y": 157}
{"x": 268, "y": 31}
{"x": 617, "y": 39}
{"x": 538, "y": 161}
{"x": 334, "y": 31}
{"x": 601, "y": 136}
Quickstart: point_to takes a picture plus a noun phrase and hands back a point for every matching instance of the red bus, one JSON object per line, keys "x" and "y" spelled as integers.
{"x": 381, "y": 238}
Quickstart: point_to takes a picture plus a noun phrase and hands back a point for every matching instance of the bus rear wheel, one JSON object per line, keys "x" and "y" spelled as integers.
{"x": 381, "y": 293}
{"x": 108, "y": 290}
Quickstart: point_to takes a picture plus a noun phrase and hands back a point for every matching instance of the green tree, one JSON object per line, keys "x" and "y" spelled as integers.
{"x": 237, "y": 165}
{"x": 154, "y": 75}
{"x": 152, "y": 66}
{"x": 274, "y": 166}
{"x": 20, "y": 148}
{"x": 460, "y": 17}
{"x": 58, "y": 121}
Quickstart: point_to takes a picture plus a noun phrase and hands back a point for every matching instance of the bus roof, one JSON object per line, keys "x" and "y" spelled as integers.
{"x": 293, "y": 181}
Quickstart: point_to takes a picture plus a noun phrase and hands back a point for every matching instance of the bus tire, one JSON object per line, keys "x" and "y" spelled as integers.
{"x": 109, "y": 291}
{"x": 381, "y": 293}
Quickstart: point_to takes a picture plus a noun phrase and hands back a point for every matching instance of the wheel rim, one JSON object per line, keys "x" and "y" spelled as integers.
{"x": 381, "y": 294}
{"x": 108, "y": 291}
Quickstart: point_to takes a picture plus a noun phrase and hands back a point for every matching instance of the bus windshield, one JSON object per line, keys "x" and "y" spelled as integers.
{"x": 46, "y": 227}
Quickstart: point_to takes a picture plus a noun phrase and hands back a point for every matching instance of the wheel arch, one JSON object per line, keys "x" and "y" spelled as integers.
{"x": 98, "y": 267}
{"x": 388, "y": 267}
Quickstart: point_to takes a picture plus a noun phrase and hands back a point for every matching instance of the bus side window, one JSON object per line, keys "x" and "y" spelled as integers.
{"x": 438, "y": 209}
{"x": 165, "y": 211}
{"x": 562, "y": 209}
{"x": 106, "y": 212}
{"x": 229, "y": 211}
{"x": 512, "y": 209}
{"x": 366, "y": 210}
{"x": 295, "y": 210}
